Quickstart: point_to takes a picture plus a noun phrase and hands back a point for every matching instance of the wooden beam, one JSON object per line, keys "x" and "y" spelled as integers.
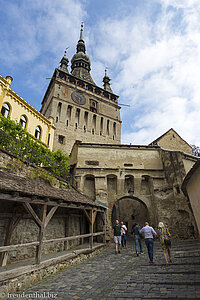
{"x": 104, "y": 227}
{"x": 32, "y": 213}
{"x": 94, "y": 216}
{"x": 50, "y": 215}
{"x": 98, "y": 233}
{"x": 67, "y": 238}
{"x": 32, "y": 244}
{"x": 103, "y": 217}
{"x": 41, "y": 234}
{"x": 51, "y": 202}
{"x": 87, "y": 216}
{"x": 12, "y": 225}
{"x": 91, "y": 228}
{"x": 18, "y": 246}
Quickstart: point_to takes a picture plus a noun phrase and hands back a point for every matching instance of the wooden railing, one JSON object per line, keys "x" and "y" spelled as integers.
{"x": 64, "y": 239}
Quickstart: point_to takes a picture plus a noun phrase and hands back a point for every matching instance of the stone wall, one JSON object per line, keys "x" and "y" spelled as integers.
{"x": 28, "y": 278}
{"x": 154, "y": 176}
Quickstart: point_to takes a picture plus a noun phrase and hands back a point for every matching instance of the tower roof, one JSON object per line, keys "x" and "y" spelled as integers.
{"x": 80, "y": 62}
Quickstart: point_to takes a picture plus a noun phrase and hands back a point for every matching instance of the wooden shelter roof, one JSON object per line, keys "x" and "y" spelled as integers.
{"x": 38, "y": 187}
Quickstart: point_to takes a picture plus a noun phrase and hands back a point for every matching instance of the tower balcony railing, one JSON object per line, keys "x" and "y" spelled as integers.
{"x": 86, "y": 85}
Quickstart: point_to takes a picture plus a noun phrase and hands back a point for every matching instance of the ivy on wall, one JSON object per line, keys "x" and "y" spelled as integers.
{"x": 17, "y": 141}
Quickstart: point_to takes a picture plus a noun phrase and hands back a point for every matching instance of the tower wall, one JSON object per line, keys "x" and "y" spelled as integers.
{"x": 94, "y": 117}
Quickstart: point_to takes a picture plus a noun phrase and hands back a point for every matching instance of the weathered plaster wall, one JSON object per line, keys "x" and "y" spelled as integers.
{"x": 172, "y": 141}
{"x": 153, "y": 174}
{"x": 193, "y": 190}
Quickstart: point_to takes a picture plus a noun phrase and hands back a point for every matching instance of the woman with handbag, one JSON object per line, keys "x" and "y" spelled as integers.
{"x": 165, "y": 241}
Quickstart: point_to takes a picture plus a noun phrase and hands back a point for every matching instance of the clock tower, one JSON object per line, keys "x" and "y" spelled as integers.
{"x": 81, "y": 110}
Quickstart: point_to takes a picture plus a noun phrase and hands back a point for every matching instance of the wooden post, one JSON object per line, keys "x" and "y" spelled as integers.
{"x": 12, "y": 225}
{"x": 104, "y": 227}
{"x": 91, "y": 228}
{"x": 41, "y": 234}
{"x": 81, "y": 227}
{"x": 42, "y": 223}
{"x": 67, "y": 224}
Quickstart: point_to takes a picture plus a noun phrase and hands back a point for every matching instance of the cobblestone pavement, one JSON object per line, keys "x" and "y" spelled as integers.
{"x": 126, "y": 276}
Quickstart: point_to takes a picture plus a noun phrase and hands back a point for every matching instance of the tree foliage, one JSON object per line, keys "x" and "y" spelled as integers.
{"x": 18, "y": 141}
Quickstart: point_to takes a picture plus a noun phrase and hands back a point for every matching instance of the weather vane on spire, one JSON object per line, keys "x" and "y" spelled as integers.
{"x": 81, "y": 33}
{"x": 106, "y": 68}
{"x": 66, "y": 51}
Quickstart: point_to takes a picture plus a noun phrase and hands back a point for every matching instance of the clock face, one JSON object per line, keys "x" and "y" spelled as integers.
{"x": 78, "y": 98}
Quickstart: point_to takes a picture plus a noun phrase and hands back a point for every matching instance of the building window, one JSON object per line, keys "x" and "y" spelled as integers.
{"x": 86, "y": 117}
{"x": 178, "y": 189}
{"x": 76, "y": 125}
{"x": 101, "y": 124}
{"x": 48, "y": 142}
{"x": 69, "y": 111}
{"x": 5, "y": 111}
{"x": 93, "y": 105}
{"x": 84, "y": 128}
{"x": 94, "y": 121}
{"x": 77, "y": 115}
{"x": 59, "y": 107}
{"x": 108, "y": 129}
{"x": 23, "y": 121}
{"x": 38, "y": 132}
{"x": 114, "y": 129}
{"x": 67, "y": 123}
{"x": 56, "y": 119}
{"x": 61, "y": 139}
{"x": 92, "y": 130}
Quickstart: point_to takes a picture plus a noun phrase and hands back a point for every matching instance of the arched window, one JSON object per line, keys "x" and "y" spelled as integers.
{"x": 23, "y": 121}
{"x": 5, "y": 111}
{"x": 38, "y": 132}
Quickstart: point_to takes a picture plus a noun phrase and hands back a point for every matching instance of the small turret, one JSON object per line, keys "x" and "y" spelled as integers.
{"x": 64, "y": 62}
{"x": 106, "y": 83}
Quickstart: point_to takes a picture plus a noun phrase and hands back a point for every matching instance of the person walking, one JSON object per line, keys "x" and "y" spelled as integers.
{"x": 124, "y": 230}
{"x": 137, "y": 238}
{"x": 165, "y": 241}
{"x": 117, "y": 231}
{"x": 149, "y": 234}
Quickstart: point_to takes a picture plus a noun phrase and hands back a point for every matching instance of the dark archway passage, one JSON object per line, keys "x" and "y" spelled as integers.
{"x": 130, "y": 210}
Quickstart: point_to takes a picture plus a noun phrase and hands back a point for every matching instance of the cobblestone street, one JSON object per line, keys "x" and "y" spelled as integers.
{"x": 122, "y": 276}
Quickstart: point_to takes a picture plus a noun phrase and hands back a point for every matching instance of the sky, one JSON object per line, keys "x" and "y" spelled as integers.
{"x": 150, "y": 47}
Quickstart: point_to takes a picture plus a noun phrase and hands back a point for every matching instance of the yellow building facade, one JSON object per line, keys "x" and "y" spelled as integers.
{"x": 15, "y": 107}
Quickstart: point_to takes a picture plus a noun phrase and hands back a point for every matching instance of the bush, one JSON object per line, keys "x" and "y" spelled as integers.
{"x": 18, "y": 141}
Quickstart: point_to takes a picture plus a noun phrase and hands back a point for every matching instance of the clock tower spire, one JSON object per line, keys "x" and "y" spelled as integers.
{"x": 80, "y": 62}
{"x": 81, "y": 110}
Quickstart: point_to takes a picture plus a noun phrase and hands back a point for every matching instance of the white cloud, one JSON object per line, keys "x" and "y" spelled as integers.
{"x": 39, "y": 27}
{"x": 155, "y": 66}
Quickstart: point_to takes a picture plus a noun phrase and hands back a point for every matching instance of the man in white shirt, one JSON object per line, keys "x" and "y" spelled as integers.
{"x": 149, "y": 233}
{"x": 124, "y": 230}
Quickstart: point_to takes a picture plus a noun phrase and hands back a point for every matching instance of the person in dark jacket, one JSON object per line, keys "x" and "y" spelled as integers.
{"x": 137, "y": 238}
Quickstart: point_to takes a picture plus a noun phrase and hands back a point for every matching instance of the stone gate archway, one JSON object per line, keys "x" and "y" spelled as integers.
{"x": 130, "y": 210}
